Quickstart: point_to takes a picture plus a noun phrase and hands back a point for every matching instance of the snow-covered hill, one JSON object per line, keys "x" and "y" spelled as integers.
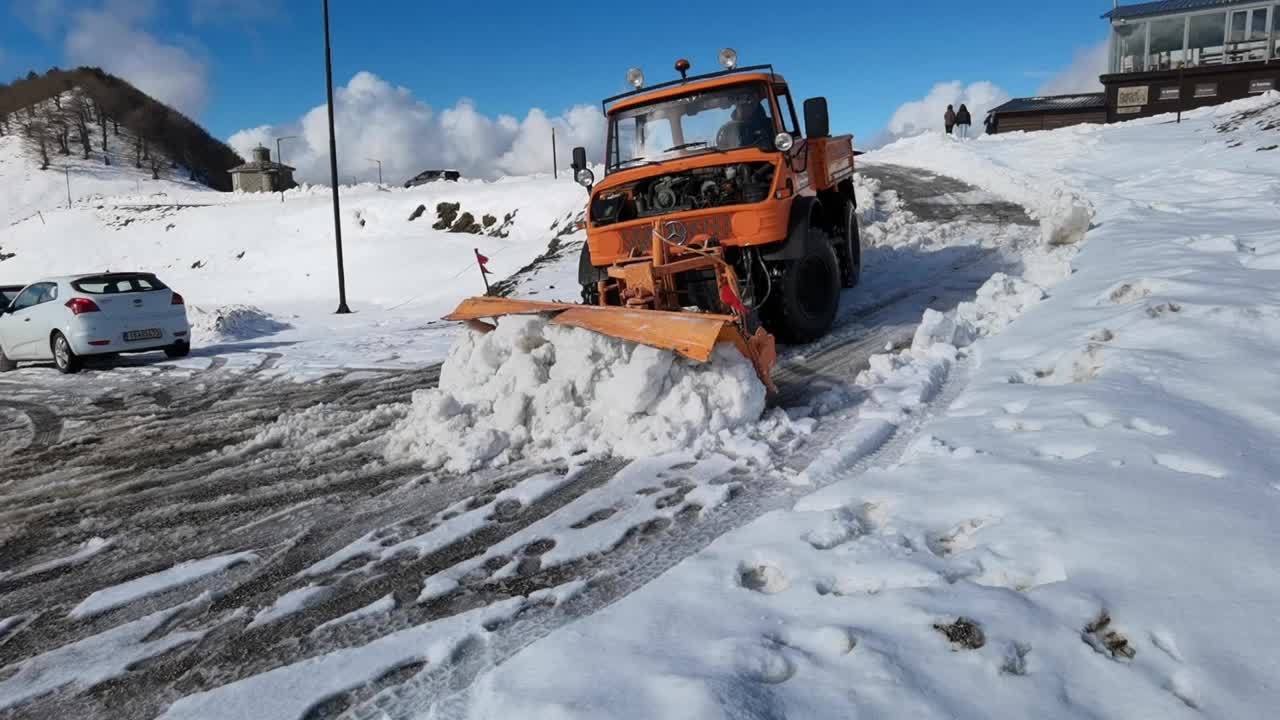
{"x": 29, "y": 190}
{"x": 277, "y": 257}
{"x": 1088, "y": 529}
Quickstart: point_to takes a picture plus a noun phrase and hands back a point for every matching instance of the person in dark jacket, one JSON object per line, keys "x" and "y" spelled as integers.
{"x": 950, "y": 119}
{"x": 963, "y": 121}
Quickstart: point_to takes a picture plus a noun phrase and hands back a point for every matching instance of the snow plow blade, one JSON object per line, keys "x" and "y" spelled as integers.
{"x": 692, "y": 335}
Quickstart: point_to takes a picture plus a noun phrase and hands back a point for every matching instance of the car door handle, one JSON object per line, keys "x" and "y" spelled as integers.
{"x": 26, "y": 320}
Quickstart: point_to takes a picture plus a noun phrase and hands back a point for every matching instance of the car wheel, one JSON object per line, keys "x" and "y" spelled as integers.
{"x": 64, "y": 357}
{"x": 850, "y": 249}
{"x": 802, "y": 306}
{"x": 178, "y": 350}
{"x": 5, "y": 363}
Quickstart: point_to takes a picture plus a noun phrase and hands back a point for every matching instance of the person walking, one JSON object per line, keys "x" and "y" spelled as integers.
{"x": 950, "y": 119}
{"x": 963, "y": 121}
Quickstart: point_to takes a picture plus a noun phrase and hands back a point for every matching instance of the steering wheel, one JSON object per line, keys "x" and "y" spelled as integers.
{"x": 730, "y": 135}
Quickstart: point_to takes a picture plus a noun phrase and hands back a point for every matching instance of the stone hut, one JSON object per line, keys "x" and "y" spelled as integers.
{"x": 261, "y": 174}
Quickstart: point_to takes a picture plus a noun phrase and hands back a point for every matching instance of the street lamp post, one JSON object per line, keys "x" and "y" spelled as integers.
{"x": 379, "y": 168}
{"x": 280, "y": 158}
{"x": 333, "y": 168}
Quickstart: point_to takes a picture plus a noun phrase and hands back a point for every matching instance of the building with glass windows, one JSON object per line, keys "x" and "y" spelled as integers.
{"x": 1167, "y": 56}
{"x": 1183, "y": 54}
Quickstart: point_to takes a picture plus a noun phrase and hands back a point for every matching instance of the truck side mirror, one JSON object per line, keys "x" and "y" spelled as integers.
{"x": 816, "y": 122}
{"x": 581, "y": 173}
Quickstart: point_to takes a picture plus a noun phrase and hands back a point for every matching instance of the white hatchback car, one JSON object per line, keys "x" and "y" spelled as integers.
{"x": 65, "y": 319}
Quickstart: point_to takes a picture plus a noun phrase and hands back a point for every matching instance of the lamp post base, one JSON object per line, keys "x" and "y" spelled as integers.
{"x": 343, "y": 309}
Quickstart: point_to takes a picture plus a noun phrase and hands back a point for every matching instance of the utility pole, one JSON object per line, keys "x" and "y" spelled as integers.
{"x": 67, "y": 171}
{"x": 333, "y": 168}
{"x": 280, "y": 158}
{"x": 379, "y": 168}
{"x": 1182, "y": 70}
{"x": 555, "y": 165}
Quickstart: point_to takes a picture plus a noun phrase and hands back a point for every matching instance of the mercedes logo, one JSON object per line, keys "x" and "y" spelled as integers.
{"x": 677, "y": 233}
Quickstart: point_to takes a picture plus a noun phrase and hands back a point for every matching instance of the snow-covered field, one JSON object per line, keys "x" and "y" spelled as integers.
{"x": 271, "y": 263}
{"x": 1088, "y": 530}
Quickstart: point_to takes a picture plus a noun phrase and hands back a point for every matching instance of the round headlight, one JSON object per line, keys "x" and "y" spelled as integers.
{"x": 585, "y": 177}
{"x": 635, "y": 78}
{"x": 729, "y": 58}
{"x": 784, "y": 141}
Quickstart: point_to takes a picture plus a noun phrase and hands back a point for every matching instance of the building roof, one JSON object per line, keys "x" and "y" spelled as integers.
{"x": 259, "y": 166}
{"x": 1164, "y": 7}
{"x": 1086, "y": 101}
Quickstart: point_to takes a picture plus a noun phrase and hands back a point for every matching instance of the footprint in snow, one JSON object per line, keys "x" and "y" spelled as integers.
{"x": 1097, "y": 419}
{"x": 1188, "y": 465}
{"x": 763, "y": 578}
{"x": 1148, "y": 427}
{"x": 1065, "y": 451}
{"x": 759, "y": 659}
{"x": 1011, "y": 425}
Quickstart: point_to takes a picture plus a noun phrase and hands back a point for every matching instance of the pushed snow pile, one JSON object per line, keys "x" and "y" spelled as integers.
{"x": 232, "y": 322}
{"x": 533, "y": 389}
{"x": 998, "y": 303}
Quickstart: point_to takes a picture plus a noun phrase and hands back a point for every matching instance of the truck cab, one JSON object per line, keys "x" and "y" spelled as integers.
{"x": 717, "y": 163}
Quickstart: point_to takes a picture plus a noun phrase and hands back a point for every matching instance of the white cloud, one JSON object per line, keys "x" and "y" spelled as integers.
{"x": 925, "y": 115}
{"x": 375, "y": 119}
{"x": 112, "y": 40}
{"x": 1081, "y": 76}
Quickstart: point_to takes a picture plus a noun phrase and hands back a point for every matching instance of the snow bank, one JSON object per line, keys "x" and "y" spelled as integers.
{"x": 532, "y": 389}
{"x": 232, "y": 322}
{"x": 1064, "y": 211}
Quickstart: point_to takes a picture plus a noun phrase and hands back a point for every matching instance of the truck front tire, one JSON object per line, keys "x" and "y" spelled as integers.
{"x": 803, "y": 302}
{"x": 589, "y": 276}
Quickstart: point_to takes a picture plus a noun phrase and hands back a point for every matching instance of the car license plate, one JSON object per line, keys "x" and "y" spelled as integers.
{"x": 134, "y": 335}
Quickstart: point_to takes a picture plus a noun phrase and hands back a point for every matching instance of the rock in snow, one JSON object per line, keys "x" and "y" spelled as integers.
{"x": 533, "y": 389}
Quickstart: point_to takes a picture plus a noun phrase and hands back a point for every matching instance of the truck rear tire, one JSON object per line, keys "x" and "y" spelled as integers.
{"x": 802, "y": 305}
{"x": 6, "y": 364}
{"x": 850, "y": 250}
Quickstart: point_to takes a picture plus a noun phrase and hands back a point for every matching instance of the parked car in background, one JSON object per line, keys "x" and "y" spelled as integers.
{"x": 66, "y": 319}
{"x": 430, "y": 176}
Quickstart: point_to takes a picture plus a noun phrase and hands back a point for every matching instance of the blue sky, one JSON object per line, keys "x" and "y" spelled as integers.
{"x": 263, "y": 58}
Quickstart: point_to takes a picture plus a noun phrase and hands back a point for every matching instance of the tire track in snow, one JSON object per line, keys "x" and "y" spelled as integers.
{"x": 46, "y": 426}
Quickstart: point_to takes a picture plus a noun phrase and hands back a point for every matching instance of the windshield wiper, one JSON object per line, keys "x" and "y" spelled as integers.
{"x": 686, "y": 145}
{"x": 642, "y": 161}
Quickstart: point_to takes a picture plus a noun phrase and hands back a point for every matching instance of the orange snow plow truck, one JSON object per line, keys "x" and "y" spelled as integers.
{"x": 716, "y": 220}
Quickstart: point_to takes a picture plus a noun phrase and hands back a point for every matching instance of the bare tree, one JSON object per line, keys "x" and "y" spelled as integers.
{"x": 80, "y": 111}
{"x": 35, "y": 136}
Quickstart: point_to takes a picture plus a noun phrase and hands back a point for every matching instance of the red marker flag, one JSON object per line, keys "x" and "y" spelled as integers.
{"x": 483, "y": 262}
{"x": 730, "y": 298}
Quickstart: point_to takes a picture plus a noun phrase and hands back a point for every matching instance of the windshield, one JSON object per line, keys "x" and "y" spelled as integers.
{"x": 725, "y": 118}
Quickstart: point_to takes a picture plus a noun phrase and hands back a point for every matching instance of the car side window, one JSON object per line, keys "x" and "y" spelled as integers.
{"x": 27, "y": 298}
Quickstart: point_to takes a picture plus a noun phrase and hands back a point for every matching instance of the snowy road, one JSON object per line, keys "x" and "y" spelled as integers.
{"x": 165, "y": 532}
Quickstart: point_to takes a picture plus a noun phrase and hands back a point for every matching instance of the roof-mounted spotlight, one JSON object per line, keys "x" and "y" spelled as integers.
{"x": 635, "y": 78}
{"x": 728, "y": 58}
{"x": 682, "y": 67}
